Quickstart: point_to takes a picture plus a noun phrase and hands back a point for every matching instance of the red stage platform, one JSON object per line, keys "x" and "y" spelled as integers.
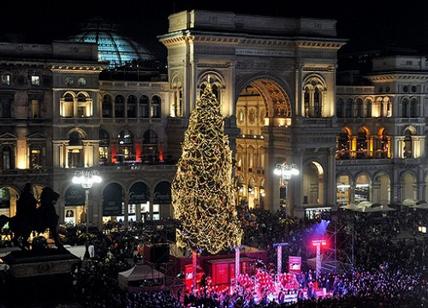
{"x": 221, "y": 268}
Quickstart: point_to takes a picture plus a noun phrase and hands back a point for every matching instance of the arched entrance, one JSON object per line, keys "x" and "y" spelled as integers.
{"x": 74, "y": 203}
{"x": 313, "y": 184}
{"x": 8, "y": 198}
{"x": 381, "y": 189}
{"x": 162, "y": 200}
{"x": 343, "y": 190}
{"x": 139, "y": 202}
{"x": 408, "y": 186}
{"x": 113, "y": 202}
{"x": 261, "y": 103}
{"x": 362, "y": 188}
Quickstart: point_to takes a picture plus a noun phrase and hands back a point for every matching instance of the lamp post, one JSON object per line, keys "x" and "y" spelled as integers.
{"x": 285, "y": 172}
{"x": 86, "y": 179}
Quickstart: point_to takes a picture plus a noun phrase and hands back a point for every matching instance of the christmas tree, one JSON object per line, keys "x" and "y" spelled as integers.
{"x": 202, "y": 191}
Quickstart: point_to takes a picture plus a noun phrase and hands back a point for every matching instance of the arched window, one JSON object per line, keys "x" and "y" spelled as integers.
{"x": 156, "y": 107}
{"x": 383, "y": 144}
{"x": 75, "y": 138}
{"x": 369, "y": 108}
{"x": 387, "y": 109}
{"x": 215, "y": 87}
{"x": 306, "y": 99}
{"x": 107, "y": 107}
{"x": 340, "y": 108}
{"x": 150, "y": 147}
{"x": 119, "y": 106}
{"x": 343, "y": 146}
{"x": 405, "y": 108}
{"x": 150, "y": 137}
{"x": 7, "y": 158}
{"x": 126, "y": 146}
{"x": 104, "y": 145}
{"x": 313, "y": 92}
{"x": 408, "y": 144}
{"x": 414, "y": 107}
{"x": 144, "y": 107}
{"x": 84, "y": 106}
{"x": 359, "y": 108}
{"x": 67, "y": 106}
{"x": 132, "y": 107}
{"x": 362, "y": 144}
{"x": 348, "y": 108}
{"x": 317, "y": 103}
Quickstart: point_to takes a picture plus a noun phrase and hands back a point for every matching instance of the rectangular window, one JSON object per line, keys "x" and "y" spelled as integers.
{"x": 35, "y": 109}
{"x": 35, "y": 80}
{"x": 81, "y": 111}
{"x": 66, "y": 110}
{"x": 35, "y": 159}
{"x": 5, "y": 79}
{"x": 103, "y": 155}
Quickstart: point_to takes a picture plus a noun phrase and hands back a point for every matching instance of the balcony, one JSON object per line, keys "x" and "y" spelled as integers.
{"x": 315, "y": 122}
{"x": 125, "y": 169}
{"x": 11, "y": 173}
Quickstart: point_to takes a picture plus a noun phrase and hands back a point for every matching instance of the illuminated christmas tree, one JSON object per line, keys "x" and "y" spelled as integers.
{"x": 202, "y": 191}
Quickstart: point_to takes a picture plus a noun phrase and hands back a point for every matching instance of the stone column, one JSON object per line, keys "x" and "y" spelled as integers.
{"x": 126, "y": 201}
{"x": 330, "y": 188}
{"x": 295, "y": 186}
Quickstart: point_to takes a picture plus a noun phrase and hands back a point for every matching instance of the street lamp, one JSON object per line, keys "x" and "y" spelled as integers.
{"x": 285, "y": 172}
{"x": 86, "y": 179}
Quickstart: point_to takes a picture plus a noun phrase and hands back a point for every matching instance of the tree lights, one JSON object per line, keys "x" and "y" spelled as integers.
{"x": 202, "y": 191}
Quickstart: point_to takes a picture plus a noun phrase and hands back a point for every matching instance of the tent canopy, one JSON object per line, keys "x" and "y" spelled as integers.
{"x": 368, "y": 209}
{"x": 140, "y": 272}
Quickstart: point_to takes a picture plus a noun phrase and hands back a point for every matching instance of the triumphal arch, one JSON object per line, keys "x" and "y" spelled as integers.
{"x": 275, "y": 79}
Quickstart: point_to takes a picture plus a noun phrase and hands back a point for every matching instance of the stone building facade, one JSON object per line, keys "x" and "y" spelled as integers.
{"x": 276, "y": 81}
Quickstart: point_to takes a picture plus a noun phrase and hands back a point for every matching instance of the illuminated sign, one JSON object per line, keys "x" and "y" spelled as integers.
{"x": 319, "y": 242}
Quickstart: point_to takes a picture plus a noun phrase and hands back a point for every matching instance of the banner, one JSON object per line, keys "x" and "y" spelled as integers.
{"x": 294, "y": 264}
{"x": 162, "y": 193}
{"x": 139, "y": 193}
{"x": 74, "y": 195}
{"x": 112, "y": 208}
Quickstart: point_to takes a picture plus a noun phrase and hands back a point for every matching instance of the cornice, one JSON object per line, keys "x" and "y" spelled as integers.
{"x": 177, "y": 38}
{"x": 398, "y": 76}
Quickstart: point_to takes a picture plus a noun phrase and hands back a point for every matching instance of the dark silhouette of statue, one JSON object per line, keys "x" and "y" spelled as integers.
{"x": 46, "y": 216}
{"x": 29, "y": 217}
{"x": 26, "y": 207}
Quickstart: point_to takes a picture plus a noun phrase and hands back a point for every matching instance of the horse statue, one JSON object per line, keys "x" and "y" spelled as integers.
{"x": 31, "y": 218}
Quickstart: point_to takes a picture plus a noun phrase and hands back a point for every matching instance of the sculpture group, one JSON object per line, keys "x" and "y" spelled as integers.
{"x": 32, "y": 215}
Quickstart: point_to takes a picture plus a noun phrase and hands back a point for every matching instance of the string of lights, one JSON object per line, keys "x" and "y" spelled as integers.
{"x": 202, "y": 191}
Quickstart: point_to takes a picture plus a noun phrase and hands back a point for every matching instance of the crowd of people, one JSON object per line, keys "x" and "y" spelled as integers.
{"x": 385, "y": 253}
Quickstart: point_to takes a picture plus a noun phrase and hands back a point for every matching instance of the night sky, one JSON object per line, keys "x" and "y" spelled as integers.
{"x": 368, "y": 24}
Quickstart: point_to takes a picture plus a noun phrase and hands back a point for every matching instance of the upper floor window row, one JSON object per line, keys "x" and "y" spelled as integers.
{"x": 76, "y": 105}
{"x": 359, "y": 108}
{"x": 131, "y": 107}
{"x": 34, "y": 79}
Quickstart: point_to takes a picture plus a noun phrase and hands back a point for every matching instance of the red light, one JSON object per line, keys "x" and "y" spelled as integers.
{"x": 319, "y": 242}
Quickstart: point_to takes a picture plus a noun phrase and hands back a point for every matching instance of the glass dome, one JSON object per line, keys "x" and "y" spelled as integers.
{"x": 113, "y": 48}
